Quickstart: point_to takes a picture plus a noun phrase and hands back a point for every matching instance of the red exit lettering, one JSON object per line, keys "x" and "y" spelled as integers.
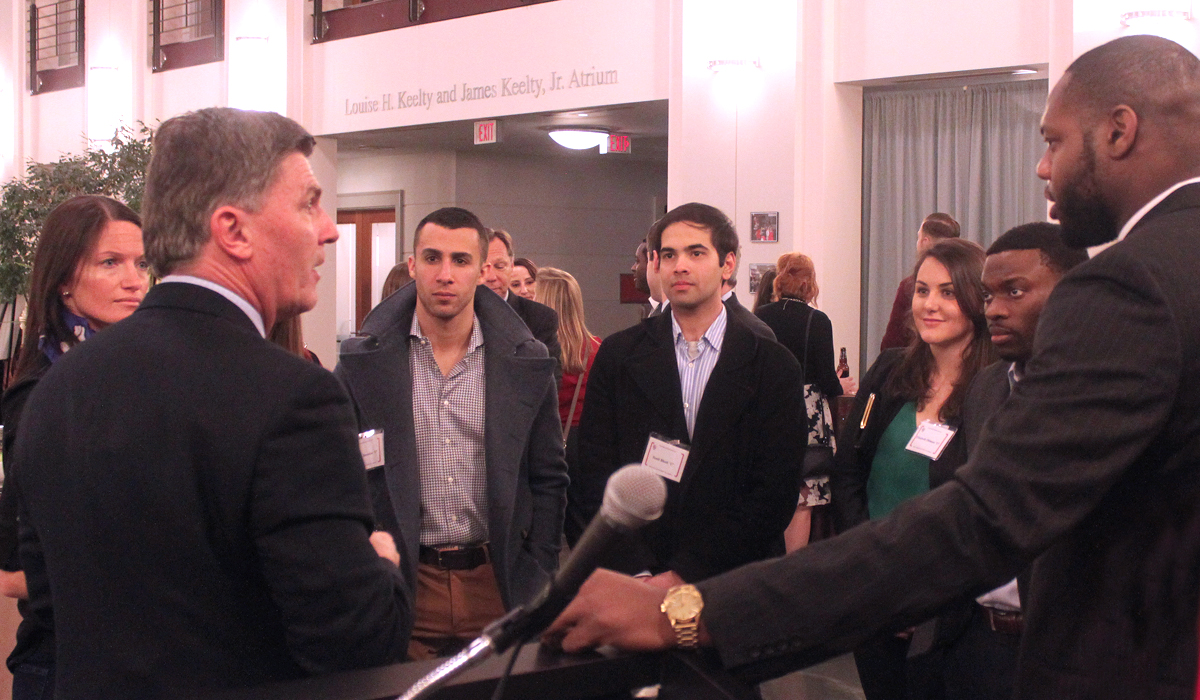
{"x": 485, "y": 132}
{"x": 618, "y": 143}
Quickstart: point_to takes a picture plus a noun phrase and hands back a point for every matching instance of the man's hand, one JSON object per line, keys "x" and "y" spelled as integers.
{"x": 614, "y": 609}
{"x": 12, "y": 585}
{"x": 665, "y": 580}
{"x": 385, "y": 546}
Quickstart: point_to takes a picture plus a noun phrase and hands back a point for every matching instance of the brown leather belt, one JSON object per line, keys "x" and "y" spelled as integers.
{"x": 454, "y": 557}
{"x": 1003, "y": 621}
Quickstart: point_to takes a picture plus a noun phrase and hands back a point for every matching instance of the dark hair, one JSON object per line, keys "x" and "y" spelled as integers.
{"x": 452, "y": 218}
{"x": 910, "y": 380}
{"x": 68, "y": 235}
{"x": 940, "y": 226}
{"x": 1154, "y": 76}
{"x": 396, "y": 278}
{"x": 766, "y": 290}
{"x": 724, "y": 237}
{"x": 528, "y": 265}
{"x": 207, "y": 159}
{"x": 1044, "y": 237}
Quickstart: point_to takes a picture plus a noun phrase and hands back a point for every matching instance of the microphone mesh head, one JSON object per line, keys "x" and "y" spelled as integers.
{"x": 634, "y": 496}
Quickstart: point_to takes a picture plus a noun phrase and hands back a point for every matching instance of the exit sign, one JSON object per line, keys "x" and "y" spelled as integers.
{"x": 486, "y": 132}
{"x": 618, "y": 143}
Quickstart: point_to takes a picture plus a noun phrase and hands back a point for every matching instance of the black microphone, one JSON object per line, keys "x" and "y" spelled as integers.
{"x": 633, "y": 497}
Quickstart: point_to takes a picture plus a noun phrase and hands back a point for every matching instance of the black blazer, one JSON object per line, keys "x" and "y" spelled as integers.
{"x": 788, "y": 318}
{"x": 754, "y": 323}
{"x": 856, "y": 445}
{"x": 542, "y": 322}
{"x": 1092, "y": 467}
{"x": 741, "y": 482}
{"x": 194, "y": 497}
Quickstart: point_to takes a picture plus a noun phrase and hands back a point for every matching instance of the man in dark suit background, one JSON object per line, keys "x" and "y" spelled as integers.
{"x": 977, "y": 641}
{"x": 1091, "y": 468}
{"x": 193, "y": 495}
{"x": 758, "y": 326}
{"x": 699, "y": 376}
{"x": 541, "y": 320}
{"x": 470, "y": 477}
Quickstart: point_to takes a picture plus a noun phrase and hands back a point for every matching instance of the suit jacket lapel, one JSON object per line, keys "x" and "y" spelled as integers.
{"x": 653, "y": 368}
{"x": 382, "y": 382}
{"x": 726, "y": 395}
{"x": 516, "y": 387}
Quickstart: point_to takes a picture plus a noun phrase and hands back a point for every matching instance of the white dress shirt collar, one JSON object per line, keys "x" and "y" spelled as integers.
{"x": 1133, "y": 220}
{"x": 229, "y": 294}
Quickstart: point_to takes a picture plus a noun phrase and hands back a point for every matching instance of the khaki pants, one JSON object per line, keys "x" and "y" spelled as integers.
{"x": 453, "y": 607}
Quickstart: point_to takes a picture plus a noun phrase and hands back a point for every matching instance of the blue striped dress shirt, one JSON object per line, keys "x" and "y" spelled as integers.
{"x": 695, "y": 371}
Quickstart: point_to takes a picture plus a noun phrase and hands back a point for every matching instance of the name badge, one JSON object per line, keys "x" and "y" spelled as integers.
{"x": 930, "y": 439}
{"x": 370, "y": 444}
{"x": 665, "y": 458}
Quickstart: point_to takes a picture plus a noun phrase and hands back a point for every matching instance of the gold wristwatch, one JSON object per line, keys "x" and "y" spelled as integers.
{"x": 682, "y": 607}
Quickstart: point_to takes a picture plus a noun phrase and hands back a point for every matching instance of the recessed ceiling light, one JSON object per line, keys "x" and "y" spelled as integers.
{"x": 580, "y": 139}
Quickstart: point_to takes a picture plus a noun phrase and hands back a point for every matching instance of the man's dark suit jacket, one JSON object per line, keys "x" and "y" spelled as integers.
{"x": 1092, "y": 467}
{"x": 758, "y": 326}
{"x": 194, "y": 498}
{"x": 987, "y": 393}
{"x": 542, "y": 322}
{"x": 741, "y": 482}
{"x": 526, "y": 473}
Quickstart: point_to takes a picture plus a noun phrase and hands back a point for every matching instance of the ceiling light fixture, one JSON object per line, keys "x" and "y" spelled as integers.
{"x": 581, "y": 139}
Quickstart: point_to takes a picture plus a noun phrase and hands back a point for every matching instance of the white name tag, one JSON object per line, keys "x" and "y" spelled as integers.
{"x": 666, "y": 459}
{"x": 930, "y": 439}
{"x": 370, "y": 444}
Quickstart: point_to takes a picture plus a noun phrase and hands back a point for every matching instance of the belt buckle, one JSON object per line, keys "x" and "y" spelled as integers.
{"x": 443, "y": 552}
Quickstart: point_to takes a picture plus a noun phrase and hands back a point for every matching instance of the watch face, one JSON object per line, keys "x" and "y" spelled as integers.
{"x": 683, "y": 603}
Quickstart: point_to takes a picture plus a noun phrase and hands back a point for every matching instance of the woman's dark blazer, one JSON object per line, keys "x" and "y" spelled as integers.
{"x": 35, "y": 635}
{"x": 856, "y": 445}
{"x": 788, "y": 319}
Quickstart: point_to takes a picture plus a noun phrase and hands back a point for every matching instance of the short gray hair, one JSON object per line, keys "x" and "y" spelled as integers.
{"x": 207, "y": 159}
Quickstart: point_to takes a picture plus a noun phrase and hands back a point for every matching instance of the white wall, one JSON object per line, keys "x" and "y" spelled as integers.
{"x": 427, "y": 180}
{"x": 886, "y": 38}
{"x": 583, "y": 215}
{"x": 625, "y": 40}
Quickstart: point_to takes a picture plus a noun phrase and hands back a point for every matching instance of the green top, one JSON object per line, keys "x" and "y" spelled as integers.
{"x": 896, "y": 474}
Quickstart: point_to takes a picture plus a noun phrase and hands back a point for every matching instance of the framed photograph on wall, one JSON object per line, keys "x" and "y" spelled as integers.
{"x": 764, "y": 227}
{"x": 757, "y": 270}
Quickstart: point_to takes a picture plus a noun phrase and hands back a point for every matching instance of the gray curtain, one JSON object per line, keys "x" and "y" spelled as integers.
{"x": 970, "y": 152}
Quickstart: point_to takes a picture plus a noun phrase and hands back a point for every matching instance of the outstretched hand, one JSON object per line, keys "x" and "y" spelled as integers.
{"x": 613, "y": 609}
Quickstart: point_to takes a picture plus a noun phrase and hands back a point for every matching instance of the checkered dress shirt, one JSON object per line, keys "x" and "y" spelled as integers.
{"x": 448, "y": 415}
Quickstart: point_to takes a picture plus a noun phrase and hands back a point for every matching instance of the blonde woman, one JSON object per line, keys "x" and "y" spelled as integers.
{"x": 559, "y": 290}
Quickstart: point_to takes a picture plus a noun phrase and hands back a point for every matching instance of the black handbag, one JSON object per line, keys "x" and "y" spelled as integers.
{"x": 818, "y": 458}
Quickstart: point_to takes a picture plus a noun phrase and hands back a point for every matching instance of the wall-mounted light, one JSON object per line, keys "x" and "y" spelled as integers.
{"x": 1157, "y": 10}
{"x": 1170, "y": 19}
{"x": 718, "y": 65}
{"x": 581, "y": 139}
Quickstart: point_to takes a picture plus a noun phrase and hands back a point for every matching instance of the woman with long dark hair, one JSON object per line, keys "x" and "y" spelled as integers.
{"x": 905, "y": 419}
{"x": 89, "y": 271}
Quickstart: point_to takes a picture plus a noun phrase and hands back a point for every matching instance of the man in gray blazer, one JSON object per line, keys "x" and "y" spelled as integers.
{"x": 1090, "y": 471}
{"x": 463, "y": 449}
